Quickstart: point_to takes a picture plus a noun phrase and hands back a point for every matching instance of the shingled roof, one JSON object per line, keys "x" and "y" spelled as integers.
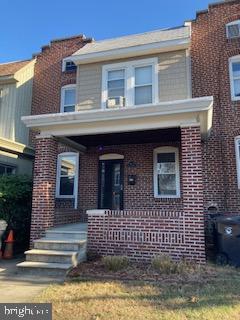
{"x": 7, "y": 69}
{"x": 135, "y": 40}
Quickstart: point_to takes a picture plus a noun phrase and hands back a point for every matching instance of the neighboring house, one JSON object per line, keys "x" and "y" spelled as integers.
{"x": 134, "y": 139}
{"x": 16, "y": 78}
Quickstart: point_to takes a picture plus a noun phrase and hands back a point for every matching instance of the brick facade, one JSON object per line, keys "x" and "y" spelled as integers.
{"x": 44, "y": 185}
{"x": 210, "y": 51}
{"x": 141, "y": 233}
{"x": 208, "y": 170}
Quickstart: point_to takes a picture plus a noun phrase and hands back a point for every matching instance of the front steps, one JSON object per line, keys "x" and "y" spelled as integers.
{"x": 54, "y": 255}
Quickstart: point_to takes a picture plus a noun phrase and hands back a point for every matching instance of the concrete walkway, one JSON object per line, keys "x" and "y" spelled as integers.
{"x": 15, "y": 287}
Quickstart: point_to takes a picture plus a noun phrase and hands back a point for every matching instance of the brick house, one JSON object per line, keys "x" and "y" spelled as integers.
{"x": 138, "y": 135}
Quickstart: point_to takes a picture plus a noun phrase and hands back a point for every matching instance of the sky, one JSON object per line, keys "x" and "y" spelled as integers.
{"x": 27, "y": 25}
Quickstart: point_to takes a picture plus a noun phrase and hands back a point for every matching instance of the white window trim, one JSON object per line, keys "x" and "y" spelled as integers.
{"x": 63, "y": 89}
{"x": 231, "y": 24}
{"x": 231, "y": 61}
{"x": 156, "y": 151}
{"x": 75, "y": 188}
{"x": 237, "y": 153}
{"x": 129, "y": 67}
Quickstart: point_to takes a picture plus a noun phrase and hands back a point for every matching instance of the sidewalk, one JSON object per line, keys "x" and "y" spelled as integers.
{"x": 16, "y": 287}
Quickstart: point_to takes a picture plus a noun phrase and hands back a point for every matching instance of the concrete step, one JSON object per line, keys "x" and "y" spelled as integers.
{"x": 44, "y": 268}
{"x": 39, "y": 255}
{"x": 68, "y": 234}
{"x": 60, "y": 244}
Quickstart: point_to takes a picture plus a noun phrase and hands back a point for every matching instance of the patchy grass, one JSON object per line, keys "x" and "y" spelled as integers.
{"x": 207, "y": 294}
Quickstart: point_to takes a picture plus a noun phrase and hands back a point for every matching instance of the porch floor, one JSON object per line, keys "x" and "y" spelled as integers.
{"x": 71, "y": 227}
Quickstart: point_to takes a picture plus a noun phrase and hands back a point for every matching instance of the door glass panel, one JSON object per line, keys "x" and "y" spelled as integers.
{"x": 116, "y": 186}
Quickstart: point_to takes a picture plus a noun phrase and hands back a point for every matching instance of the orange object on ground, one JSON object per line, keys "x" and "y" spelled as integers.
{"x": 8, "y": 252}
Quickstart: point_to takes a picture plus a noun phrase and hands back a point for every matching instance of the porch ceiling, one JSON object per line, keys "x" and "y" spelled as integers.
{"x": 149, "y": 136}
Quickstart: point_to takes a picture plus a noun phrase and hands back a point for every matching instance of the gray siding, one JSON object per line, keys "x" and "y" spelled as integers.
{"x": 173, "y": 79}
{"x": 15, "y": 102}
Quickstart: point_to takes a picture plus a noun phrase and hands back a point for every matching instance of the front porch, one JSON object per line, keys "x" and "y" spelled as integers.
{"x": 140, "y": 189}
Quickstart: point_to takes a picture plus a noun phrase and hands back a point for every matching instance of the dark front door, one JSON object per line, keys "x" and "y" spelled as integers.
{"x": 111, "y": 184}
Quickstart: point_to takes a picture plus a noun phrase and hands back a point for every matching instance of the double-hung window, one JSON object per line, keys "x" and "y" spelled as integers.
{"x": 68, "y": 98}
{"x": 67, "y": 175}
{"x": 166, "y": 172}
{"x": 130, "y": 83}
{"x": 237, "y": 148}
{"x": 143, "y": 85}
{"x": 234, "y": 66}
{"x": 116, "y": 83}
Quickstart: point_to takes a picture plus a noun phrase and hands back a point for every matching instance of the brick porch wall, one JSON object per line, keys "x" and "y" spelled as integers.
{"x": 141, "y": 234}
{"x": 44, "y": 185}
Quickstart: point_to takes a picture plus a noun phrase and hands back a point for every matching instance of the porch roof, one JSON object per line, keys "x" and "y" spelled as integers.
{"x": 102, "y": 121}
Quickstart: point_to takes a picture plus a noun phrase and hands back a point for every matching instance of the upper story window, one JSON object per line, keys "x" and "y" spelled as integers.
{"x": 166, "y": 172}
{"x": 233, "y": 29}
{"x": 68, "y": 65}
{"x": 237, "y": 148}
{"x": 234, "y": 70}
{"x": 67, "y": 175}
{"x": 130, "y": 83}
{"x": 68, "y": 98}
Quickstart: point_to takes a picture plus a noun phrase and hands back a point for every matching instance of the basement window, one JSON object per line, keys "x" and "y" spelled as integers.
{"x": 6, "y": 169}
{"x": 67, "y": 175}
{"x": 166, "y": 172}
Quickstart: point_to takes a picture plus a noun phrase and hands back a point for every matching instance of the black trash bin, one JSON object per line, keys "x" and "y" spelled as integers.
{"x": 228, "y": 240}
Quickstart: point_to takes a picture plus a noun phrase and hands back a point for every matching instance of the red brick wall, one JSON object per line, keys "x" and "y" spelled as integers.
{"x": 140, "y": 233}
{"x": 48, "y": 75}
{"x": 44, "y": 185}
{"x": 210, "y": 52}
{"x": 138, "y": 196}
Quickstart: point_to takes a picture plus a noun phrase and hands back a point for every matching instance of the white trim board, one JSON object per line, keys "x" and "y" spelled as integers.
{"x": 162, "y": 115}
{"x": 237, "y": 153}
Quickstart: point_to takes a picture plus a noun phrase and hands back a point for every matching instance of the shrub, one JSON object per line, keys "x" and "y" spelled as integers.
{"x": 164, "y": 264}
{"x": 115, "y": 263}
{"x": 15, "y": 207}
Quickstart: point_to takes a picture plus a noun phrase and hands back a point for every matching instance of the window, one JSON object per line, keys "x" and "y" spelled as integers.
{"x": 116, "y": 83}
{"x": 237, "y": 148}
{"x": 135, "y": 82}
{"x": 68, "y": 65}
{"x": 166, "y": 172}
{"x": 68, "y": 98}
{"x": 6, "y": 169}
{"x": 234, "y": 66}
{"x": 233, "y": 29}
{"x": 67, "y": 175}
{"x": 143, "y": 85}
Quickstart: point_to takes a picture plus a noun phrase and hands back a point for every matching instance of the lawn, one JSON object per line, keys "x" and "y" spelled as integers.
{"x": 207, "y": 294}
